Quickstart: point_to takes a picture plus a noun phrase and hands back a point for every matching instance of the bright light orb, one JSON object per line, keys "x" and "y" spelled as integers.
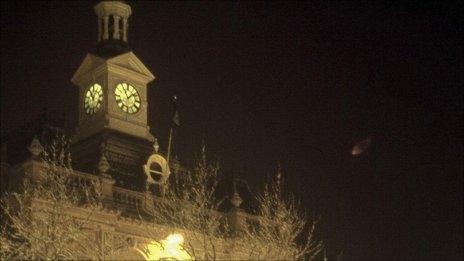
{"x": 170, "y": 248}
{"x": 175, "y": 239}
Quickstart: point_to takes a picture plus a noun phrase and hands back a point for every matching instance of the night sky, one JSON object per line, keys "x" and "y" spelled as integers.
{"x": 295, "y": 83}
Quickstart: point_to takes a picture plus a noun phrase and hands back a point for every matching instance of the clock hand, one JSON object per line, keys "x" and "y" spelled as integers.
{"x": 127, "y": 97}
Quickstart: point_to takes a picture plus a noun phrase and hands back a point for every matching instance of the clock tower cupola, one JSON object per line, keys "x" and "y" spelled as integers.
{"x": 113, "y": 25}
{"x": 113, "y": 106}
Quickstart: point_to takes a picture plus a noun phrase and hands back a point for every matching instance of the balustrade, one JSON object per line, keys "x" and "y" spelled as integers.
{"x": 127, "y": 197}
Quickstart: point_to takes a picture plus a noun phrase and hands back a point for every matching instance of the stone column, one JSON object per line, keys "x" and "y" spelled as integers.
{"x": 124, "y": 29}
{"x": 99, "y": 29}
{"x": 116, "y": 27}
{"x": 106, "y": 180}
{"x": 237, "y": 217}
{"x": 105, "y": 28}
{"x": 237, "y": 221}
{"x": 148, "y": 202}
{"x": 107, "y": 188}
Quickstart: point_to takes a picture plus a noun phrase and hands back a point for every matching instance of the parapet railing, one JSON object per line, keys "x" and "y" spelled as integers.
{"x": 119, "y": 197}
{"x": 129, "y": 198}
{"x": 84, "y": 178}
{"x": 123, "y": 199}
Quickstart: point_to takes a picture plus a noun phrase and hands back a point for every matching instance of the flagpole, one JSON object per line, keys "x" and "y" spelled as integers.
{"x": 169, "y": 146}
{"x": 171, "y": 130}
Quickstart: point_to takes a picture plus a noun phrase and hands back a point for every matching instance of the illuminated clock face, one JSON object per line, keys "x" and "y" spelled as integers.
{"x": 127, "y": 98}
{"x": 93, "y": 99}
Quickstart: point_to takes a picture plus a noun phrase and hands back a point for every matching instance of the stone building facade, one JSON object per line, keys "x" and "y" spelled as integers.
{"x": 113, "y": 147}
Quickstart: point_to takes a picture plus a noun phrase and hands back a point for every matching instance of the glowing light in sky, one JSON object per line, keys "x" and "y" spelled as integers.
{"x": 169, "y": 248}
{"x": 361, "y": 146}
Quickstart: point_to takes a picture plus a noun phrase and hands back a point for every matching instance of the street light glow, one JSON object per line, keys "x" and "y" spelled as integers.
{"x": 169, "y": 248}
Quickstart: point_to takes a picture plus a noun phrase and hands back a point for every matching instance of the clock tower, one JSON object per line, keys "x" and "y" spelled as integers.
{"x": 113, "y": 105}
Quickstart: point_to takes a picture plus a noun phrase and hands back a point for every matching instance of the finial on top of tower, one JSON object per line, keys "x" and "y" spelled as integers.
{"x": 113, "y": 26}
{"x": 155, "y": 146}
{"x": 35, "y": 148}
{"x": 103, "y": 165}
{"x": 236, "y": 200}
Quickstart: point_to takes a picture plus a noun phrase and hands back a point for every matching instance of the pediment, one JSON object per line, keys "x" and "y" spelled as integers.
{"x": 90, "y": 63}
{"x": 127, "y": 61}
{"x": 131, "y": 62}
